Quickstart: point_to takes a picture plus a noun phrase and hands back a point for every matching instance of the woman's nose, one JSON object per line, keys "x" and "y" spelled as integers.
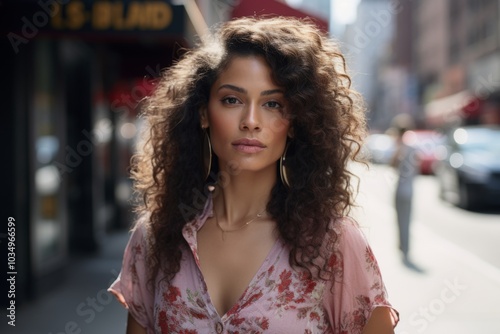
{"x": 251, "y": 118}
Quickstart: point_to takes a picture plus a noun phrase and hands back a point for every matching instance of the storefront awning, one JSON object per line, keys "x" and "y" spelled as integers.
{"x": 273, "y": 8}
{"x": 452, "y": 108}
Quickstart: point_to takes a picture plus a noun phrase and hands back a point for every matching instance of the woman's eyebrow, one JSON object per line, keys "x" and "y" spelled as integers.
{"x": 232, "y": 87}
{"x": 271, "y": 92}
{"x": 244, "y": 91}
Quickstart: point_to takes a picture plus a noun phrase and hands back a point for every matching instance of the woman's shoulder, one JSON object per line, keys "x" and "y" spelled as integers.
{"x": 344, "y": 224}
{"x": 347, "y": 231}
{"x": 140, "y": 230}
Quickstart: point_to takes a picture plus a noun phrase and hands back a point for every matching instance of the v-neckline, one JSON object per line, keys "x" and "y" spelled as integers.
{"x": 241, "y": 300}
{"x": 190, "y": 233}
{"x": 208, "y": 212}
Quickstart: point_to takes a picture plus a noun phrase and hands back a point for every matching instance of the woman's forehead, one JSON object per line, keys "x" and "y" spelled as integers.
{"x": 245, "y": 71}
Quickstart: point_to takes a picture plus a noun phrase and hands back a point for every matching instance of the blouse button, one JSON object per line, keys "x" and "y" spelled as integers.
{"x": 218, "y": 328}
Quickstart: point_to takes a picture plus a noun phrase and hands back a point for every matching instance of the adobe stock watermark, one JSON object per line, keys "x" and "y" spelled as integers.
{"x": 88, "y": 310}
{"x": 421, "y": 319}
{"x": 484, "y": 87}
{"x": 380, "y": 20}
{"x": 74, "y": 156}
{"x": 31, "y": 28}
{"x": 222, "y": 178}
{"x": 126, "y": 102}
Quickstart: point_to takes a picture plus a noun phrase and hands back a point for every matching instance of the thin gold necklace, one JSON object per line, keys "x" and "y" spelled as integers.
{"x": 259, "y": 215}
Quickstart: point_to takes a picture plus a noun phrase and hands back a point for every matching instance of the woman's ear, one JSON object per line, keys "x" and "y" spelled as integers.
{"x": 204, "y": 117}
{"x": 291, "y": 133}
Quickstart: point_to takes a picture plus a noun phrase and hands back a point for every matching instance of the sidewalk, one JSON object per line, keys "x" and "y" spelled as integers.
{"x": 81, "y": 305}
{"x": 447, "y": 291}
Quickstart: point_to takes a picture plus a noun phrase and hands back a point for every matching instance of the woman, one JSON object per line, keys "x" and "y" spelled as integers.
{"x": 405, "y": 161}
{"x": 243, "y": 174}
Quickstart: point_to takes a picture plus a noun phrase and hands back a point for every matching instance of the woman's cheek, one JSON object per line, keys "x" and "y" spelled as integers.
{"x": 277, "y": 130}
{"x": 279, "y": 124}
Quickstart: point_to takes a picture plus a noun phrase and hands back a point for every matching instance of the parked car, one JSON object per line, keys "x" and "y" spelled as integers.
{"x": 380, "y": 148}
{"x": 426, "y": 143}
{"x": 469, "y": 172}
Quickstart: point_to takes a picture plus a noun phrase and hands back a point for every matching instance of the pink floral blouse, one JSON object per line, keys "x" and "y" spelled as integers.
{"x": 279, "y": 299}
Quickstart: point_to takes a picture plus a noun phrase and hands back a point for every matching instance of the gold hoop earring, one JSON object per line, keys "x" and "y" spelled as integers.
{"x": 207, "y": 154}
{"x": 283, "y": 172}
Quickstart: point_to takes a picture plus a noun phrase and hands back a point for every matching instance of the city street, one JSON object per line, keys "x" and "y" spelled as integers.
{"x": 97, "y": 93}
{"x": 454, "y": 283}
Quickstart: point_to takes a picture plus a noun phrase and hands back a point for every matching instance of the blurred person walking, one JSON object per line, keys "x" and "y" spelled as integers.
{"x": 405, "y": 162}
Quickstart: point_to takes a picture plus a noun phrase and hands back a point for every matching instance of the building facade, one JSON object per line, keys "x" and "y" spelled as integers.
{"x": 443, "y": 65}
{"x": 366, "y": 43}
{"x": 457, "y": 58}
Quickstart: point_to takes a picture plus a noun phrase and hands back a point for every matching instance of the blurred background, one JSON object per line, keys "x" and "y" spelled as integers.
{"x": 73, "y": 74}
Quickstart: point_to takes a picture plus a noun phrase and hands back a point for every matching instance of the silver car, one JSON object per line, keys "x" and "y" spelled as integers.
{"x": 469, "y": 169}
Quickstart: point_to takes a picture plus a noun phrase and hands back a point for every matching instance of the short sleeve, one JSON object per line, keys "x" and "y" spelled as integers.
{"x": 356, "y": 287}
{"x": 131, "y": 286}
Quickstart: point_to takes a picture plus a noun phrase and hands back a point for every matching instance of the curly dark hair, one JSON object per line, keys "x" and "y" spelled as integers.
{"x": 328, "y": 121}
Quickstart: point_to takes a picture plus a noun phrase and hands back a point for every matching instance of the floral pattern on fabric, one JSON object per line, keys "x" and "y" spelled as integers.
{"x": 174, "y": 318}
{"x": 279, "y": 299}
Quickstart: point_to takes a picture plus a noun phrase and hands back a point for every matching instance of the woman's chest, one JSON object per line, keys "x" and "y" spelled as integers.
{"x": 277, "y": 300}
{"x": 231, "y": 263}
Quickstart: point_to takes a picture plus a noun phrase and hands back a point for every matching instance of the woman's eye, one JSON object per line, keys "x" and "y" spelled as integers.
{"x": 273, "y": 105}
{"x": 230, "y": 100}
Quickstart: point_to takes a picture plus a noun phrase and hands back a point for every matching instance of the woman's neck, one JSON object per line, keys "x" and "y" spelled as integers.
{"x": 240, "y": 196}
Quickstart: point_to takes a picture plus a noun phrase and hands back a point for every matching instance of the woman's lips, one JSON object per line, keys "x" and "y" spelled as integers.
{"x": 248, "y": 148}
{"x": 248, "y": 145}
